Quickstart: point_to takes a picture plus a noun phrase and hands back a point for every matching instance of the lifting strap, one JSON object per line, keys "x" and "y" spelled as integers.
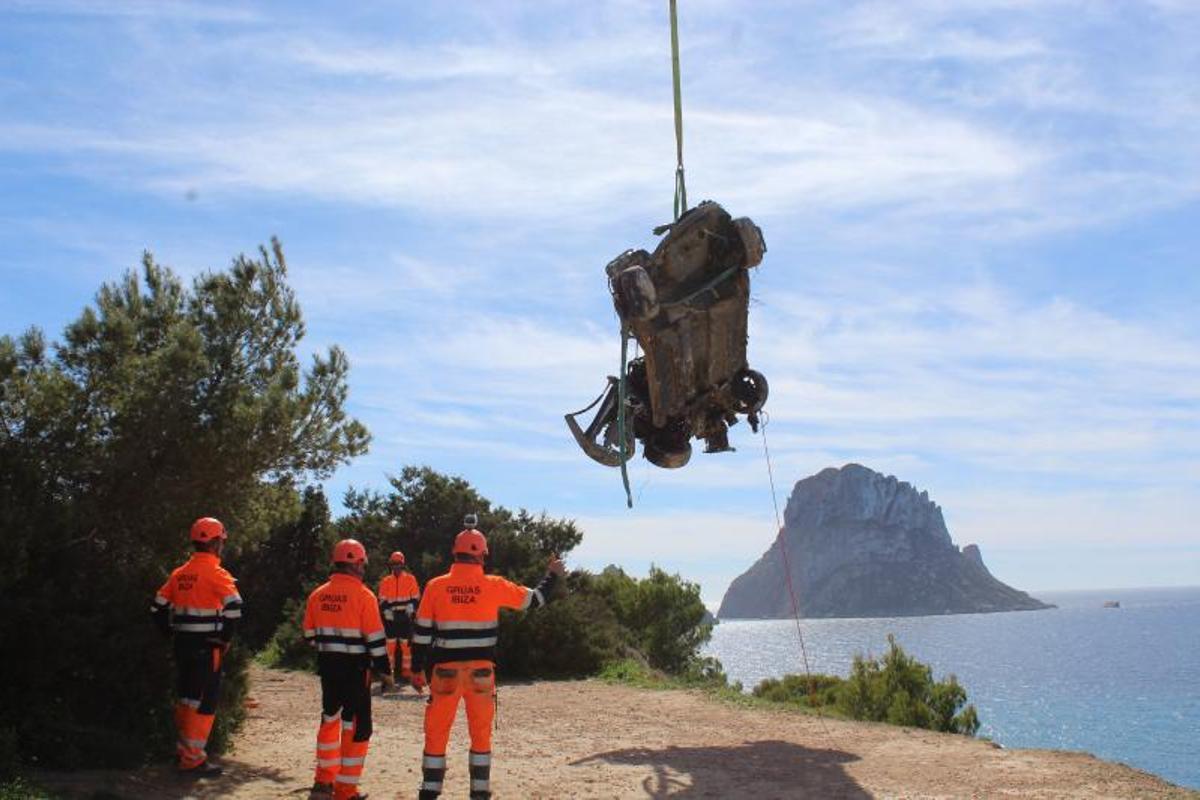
{"x": 680, "y": 187}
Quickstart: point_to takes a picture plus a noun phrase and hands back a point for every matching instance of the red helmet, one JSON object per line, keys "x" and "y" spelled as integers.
{"x": 396, "y": 558}
{"x": 349, "y": 551}
{"x": 206, "y": 529}
{"x": 471, "y": 543}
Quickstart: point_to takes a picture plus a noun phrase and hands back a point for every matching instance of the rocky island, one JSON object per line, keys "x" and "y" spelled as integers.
{"x": 862, "y": 544}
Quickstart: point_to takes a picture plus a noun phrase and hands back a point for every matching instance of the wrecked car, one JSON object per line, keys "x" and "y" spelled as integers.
{"x": 687, "y": 305}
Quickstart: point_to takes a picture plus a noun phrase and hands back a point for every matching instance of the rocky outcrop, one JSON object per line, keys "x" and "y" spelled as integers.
{"x": 862, "y": 544}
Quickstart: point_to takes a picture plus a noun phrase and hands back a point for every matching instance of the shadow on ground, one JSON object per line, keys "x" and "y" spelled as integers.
{"x": 161, "y": 783}
{"x": 764, "y": 769}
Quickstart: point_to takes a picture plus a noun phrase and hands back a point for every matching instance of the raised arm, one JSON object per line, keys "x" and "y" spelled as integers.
{"x": 524, "y": 598}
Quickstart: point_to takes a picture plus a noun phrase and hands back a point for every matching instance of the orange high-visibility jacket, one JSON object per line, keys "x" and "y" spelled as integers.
{"x": 342, "y": 620}
{"x": 398, "y": 594}
{"x": 200, "y": 597}
{"x": 458, "y": 619}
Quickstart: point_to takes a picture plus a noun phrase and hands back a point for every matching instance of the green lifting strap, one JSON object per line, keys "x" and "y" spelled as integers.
{"x": 621, "y": 397}
{"x": 680, "y": 188}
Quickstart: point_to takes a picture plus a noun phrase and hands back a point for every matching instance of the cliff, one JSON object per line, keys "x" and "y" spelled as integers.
{"x": 861, "y": 544}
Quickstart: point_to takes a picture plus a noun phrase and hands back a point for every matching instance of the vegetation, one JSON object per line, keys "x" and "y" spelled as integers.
{"x": 163, "y": 402}
{"x": 22, "y": 789}
{"x": 594, "y": 621}
{"x": 896, "y": 689}
{"x": 166, "y": 401}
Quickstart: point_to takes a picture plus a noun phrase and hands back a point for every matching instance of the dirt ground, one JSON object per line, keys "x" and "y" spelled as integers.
{"x": 587, "y": 739}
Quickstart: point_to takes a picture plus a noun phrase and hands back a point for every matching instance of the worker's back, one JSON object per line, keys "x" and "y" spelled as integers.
{"x": 342, "y": 620}
{"x": 459, "y": 613}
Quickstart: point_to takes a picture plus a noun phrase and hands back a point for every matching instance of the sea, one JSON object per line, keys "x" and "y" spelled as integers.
{"x": 1121, "y": 683}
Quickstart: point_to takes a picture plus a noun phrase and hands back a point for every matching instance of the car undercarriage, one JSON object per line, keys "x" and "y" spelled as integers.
{"x": 687, "y": 305}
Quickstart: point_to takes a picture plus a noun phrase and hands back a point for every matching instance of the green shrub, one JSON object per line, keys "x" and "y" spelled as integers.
{"x": 22, "y": 789}
{"x": 287, "y": 648}
{"x": 663, "y": 614}
{"x": 900, "y": 690}
{"x": 572, "y": 637}
{"x": 812, "y": 691}
{"x": 896, "y": 689}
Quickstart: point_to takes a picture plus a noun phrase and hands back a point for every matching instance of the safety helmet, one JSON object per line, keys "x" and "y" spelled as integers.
{"x": 396, "y": 559}
{"x": 206, "y": 529}
{"x": 349, "y": 551}
{"x": 470, "y": 543}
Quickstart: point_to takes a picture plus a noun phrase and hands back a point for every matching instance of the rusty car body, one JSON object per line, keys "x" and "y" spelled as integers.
{"x": 687, "y": 306}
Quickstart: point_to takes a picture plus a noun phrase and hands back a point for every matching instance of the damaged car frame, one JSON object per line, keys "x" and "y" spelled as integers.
{"x": 687, "y": 305}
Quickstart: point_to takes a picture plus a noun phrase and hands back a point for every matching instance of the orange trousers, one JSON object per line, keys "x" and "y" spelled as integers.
{"x": 405, "y": 657}
{"x": 340, "y": 759}
{"x": 473, "y": 682}
{"x": 193, "y": 728}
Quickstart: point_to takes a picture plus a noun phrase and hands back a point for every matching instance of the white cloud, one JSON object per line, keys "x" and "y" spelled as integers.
{"x": 1086, "y": 518}
{"x": 565, "y": 130}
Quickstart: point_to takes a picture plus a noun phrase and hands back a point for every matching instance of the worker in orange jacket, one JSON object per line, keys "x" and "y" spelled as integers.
{"x": 342, "y": 621}
{"x": 200, "y": 606}
{"x": 454, "y": 643}
{"x": 398, "y": 596}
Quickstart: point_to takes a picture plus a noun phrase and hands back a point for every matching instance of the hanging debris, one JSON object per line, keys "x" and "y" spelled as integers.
{"x": 687, "y": 305}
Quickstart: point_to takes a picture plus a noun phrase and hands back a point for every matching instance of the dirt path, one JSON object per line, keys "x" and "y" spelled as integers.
{"x": 590, "y": 740}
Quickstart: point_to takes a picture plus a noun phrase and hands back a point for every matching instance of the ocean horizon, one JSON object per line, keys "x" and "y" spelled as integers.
{"x": 1120, "y": 683}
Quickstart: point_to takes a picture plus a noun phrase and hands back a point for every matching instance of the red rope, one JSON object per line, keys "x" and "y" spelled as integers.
{"x": 787, "y": 572}
{"x": 787, "y": 568}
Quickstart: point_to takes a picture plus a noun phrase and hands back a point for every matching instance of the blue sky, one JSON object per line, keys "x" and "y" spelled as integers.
{"x": 982, "y": 220}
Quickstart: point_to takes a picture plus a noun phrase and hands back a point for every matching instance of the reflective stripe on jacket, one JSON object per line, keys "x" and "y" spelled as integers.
{"x": 200, "y": 597}
{"x": 398, "y": 593}
{"x": 458, "y": 619}
{"x": 342, "y": 620}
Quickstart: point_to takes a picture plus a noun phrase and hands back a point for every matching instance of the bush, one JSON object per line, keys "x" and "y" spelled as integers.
{"x": 287, "y": 648}
{"x": 811, "y": 691}
{"x": 22, "y": 789}
{"x": 900, "y": 690}
{"x": 573, "y": 637}
{"x": 896, "y": 689}
{"x": 663, "y": 614}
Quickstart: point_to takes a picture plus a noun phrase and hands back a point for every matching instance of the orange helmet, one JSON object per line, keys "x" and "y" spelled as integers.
{"x": 349, "y": 551}
{"x": 396, "y": 559}
{"x": 471, "y": 543}
{"x": 206, "y": 529}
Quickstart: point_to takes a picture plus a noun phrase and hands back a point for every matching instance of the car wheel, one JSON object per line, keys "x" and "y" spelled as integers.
{"x": 750, "y": 391}
{"x": 667, "y": 459}
{"x": 636, "y": 295}
{"x": 752, "y": 240}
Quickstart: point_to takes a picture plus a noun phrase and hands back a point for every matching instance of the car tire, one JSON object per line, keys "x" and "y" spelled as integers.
{"x": 667, "y": 459}
{"x": 750, "y": 391}
{"x": 636, "y": 296}
{"x": 752, "y": 241}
